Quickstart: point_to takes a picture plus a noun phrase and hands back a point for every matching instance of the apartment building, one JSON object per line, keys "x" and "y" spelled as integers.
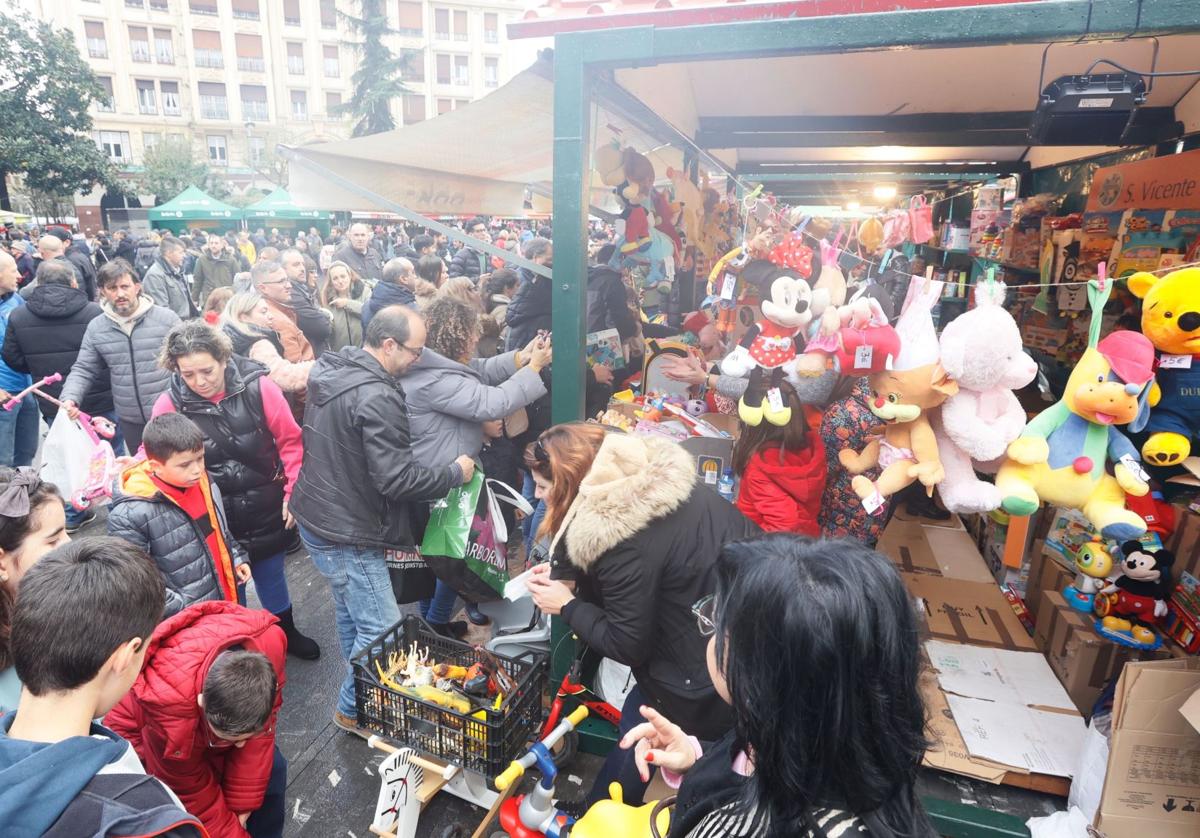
{"x": 236, "y": 77}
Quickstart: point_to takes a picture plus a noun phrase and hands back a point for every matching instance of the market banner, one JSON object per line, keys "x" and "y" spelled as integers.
{"x": 1171, "y": 182}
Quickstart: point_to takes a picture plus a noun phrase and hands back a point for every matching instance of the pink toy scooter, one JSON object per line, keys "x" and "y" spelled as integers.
{"x": 102, "y": 465}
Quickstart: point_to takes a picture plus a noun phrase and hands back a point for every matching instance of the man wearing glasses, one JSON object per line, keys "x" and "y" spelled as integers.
{"x": 352, "y": 498}
{"x": 271, "y": 280}
{"x": 468, "y": 261}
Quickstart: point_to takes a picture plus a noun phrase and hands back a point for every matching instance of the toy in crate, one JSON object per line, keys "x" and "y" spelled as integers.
{"x": 447, "y": 699}
{"x": 1182, "y": 623}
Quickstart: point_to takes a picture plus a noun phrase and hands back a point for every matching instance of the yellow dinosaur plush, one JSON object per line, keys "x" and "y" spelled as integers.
{"x": 1171, "y": 319}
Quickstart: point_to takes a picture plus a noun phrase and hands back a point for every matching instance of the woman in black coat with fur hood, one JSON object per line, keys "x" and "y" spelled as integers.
{"x": 639, "y": 536}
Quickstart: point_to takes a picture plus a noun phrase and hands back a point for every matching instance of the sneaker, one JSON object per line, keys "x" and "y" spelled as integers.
{"x": 295, "y": 545}
{"x": 348, "y": 724}
{"x": 75, "y": 527}
{"x": 476, "y": 616}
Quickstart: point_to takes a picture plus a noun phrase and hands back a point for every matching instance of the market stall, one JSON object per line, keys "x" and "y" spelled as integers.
{"x": 194, "y": 208}
{"x": 279, "y": 209}
{"x": 966, "y": 195}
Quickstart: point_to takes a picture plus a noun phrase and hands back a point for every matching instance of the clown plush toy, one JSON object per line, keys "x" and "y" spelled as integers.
{"x": 1171, "y": 319}
{"x": 1060, "y": 457}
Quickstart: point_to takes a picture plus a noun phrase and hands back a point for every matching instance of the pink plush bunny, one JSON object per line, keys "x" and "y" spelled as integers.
{"x": 982, "y": 351}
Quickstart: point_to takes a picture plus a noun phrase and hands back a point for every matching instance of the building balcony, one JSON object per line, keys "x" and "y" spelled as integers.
{"x": 491, "y": 36}
{"x": 251, "y": 65}
{"x": 333, "y": 68}
{"x": 214, "y": 108}
{"x": 242, "y": 14}
{"x": 135, "y": 4}
{"x": 140, "y": 52}
{"x": 255, "y": 111}
{"x": 291, "y": 21}
{"x": 147, "y": 110}
{"x": 97, "y": 48}
{"x": 105, "y": 106}
{"x": 159, "y": 6}
{"x": 164, "y": 55}
{"x": 295, "y": 65}
{"x": 210, "y": 58}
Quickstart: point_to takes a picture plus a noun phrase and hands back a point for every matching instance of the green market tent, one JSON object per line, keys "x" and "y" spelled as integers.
{"x": 191, "y": 205}
{"x": 279, "y": 206}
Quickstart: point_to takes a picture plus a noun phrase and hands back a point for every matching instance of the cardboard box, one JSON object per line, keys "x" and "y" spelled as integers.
{"x": 1083, "y": 660}
{"x": 1152, "y": 787}
{"x": 1046, "y": 573}
{"x": 932, "y": 550}
{"x": 975, "y": 613}
{"x": 1185, "y": 541}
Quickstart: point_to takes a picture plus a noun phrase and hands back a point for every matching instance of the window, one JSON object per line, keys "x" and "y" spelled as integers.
{"x": 164, "y": 46}
{"x": 333, "y": 101}
{"x": 207, "y": 48}
{"x": 114, "y": 144}
{"x": 203, "y": 7}
{"x": 299, "y": 104}
{"x": 332, "y": 66}
{"x": 139, "y": 44}
{"x": 295, "y": 58}
{"x": 218, "y": 153}
{"x": 150, "y": 139}
{"x": 414, "y": 108}
{"x": 412, "y": 21}
{"x": 135, "y": 4}
{"x": 249, "y": 53}
{"x": 246, "y": 9}
{"x": 97, "y": 45}
{"x": 491, "y": 72}
{"x": 254, "y": 102}
{"x": 462, "y": 69}
{"x": 257, "y": 148}
{"x": 213, "y": 104}
{"x": 105, "y": 102}
{"x": 147, "y": 101}
{"x": 170, "y": 97}
{"x": 444, "y": 106}
{"x": 159, "y": 5}
{"x": 441, "y": 24}
{"x": 443, "y": 69}
{"x": 412, "y": 63}
{"x": 328, "y": 14}
{"x": 291, "y": 12}
{"x": 491, "y": 28}
{"x": 460, "y": 26}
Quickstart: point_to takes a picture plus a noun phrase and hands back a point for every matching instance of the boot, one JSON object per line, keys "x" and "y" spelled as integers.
{"x": 302, "y": 647}
{"x": 476, "y": 616}
{"x": 455, "y": 629}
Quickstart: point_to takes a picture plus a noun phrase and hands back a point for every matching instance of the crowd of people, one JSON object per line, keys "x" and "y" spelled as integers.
{"x": 277, "y": 392}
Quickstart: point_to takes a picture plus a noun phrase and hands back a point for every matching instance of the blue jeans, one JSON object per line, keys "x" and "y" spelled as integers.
{"x": 440, "y": 609}
{"x": 271, "y": 584}
{"x": 19, "y": 433}
{"x": 364, "y": 605}
{"x": 619, "y": 766}
{"x": 528, "y": 487}
{"x": 267, "y": 820}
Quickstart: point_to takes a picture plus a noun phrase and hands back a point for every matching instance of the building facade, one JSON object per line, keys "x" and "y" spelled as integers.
{"x": 237, "y": 77}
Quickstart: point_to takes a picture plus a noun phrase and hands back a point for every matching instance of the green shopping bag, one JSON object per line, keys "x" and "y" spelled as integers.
{"x": 449, "y": 528}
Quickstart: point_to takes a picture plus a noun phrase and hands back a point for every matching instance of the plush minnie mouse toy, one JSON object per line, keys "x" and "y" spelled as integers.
{"x": 771, "y": 343}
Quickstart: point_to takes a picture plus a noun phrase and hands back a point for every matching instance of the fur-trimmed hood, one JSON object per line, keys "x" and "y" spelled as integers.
{"x": 633, "y": 481}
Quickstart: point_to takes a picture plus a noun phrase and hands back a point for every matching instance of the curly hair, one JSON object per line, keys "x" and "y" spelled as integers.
{"x": 453, "y": 328}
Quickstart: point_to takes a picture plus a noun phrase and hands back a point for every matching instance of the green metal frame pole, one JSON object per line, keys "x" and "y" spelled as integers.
{"x": 572, "y": 97}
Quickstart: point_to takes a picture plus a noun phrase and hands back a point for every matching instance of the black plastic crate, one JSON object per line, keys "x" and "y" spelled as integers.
{"x": 484, "y": 741}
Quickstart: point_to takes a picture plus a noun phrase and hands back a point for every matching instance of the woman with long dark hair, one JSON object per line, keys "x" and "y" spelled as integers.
{"x": 815, "y": 646}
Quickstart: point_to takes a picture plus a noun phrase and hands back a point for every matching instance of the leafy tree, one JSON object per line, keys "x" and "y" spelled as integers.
{"x": 378, "y": 79}
{"x": 45, "y": 91}
{"x": 169, "y": 168}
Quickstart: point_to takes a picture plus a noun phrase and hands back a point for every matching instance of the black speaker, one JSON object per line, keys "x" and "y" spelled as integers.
{"x": 1087, "y": 110}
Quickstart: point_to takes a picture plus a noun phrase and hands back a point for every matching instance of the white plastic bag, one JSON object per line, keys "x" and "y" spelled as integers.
{"x": 81, "y": 466}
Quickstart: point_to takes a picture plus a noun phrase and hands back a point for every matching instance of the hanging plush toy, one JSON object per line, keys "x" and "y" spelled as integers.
{"x": 902, "y": 397}
{"x": 1171, "y": 319}
{"x": 982, "y": 351}
{"x": 1060, "y": 456}
{"x": 1130, "y": 606}
{"x": 770, "y": 344}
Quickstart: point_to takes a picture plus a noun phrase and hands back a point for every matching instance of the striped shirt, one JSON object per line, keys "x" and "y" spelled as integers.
{"x": 728, "y": 822}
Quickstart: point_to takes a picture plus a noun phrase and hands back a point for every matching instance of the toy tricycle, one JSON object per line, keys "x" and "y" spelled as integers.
{"x": 534, "y": 815}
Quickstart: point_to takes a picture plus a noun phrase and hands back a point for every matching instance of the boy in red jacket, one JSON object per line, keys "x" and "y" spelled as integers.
{"x": 201, "y": 716}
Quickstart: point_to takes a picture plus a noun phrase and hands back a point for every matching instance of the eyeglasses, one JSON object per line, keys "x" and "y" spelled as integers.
{"x": 540, "y": 453}
{"x": 706, "y": 615}
{"x": 416, "y": 353}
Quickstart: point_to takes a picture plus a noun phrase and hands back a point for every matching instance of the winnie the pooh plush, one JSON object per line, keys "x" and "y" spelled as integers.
{"x": 1061, "y": 455}
{"x": 1171, "y": 319}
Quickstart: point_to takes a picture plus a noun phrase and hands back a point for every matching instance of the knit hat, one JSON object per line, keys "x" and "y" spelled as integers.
{"x": 1130, "y": 354}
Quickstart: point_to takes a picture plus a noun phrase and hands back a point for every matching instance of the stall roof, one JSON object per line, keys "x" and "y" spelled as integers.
{"x": 194, "y": 204}
{"x": 280, "y": 204}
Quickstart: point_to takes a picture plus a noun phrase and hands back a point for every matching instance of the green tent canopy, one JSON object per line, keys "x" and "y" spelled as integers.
{"x": 279, "y": 206}
{"x": 194, "y": 204}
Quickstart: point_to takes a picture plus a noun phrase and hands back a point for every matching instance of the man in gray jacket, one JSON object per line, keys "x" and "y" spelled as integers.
{"x": 123, "y": 344}
{"x": 165, "y": 282}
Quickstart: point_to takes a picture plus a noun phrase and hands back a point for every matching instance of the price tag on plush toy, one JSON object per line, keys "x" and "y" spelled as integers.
{"x": 1134, "y": 466}
{"x": 728, "y": 286}
{"x": 873, "y": 502}
{"x": 1175, "y": 362}
{"x": 775, "y": 399}
{"x": 862, "y": 356}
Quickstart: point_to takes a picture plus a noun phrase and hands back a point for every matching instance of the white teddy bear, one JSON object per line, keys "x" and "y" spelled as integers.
{"x": 981, "y": 350}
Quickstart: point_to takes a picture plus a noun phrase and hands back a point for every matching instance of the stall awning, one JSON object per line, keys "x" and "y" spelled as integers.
{"x": 194, "y": 204}
{"x": 282, "y": 206}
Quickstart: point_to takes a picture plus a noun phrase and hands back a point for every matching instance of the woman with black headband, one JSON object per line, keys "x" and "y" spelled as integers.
{"x": 32, "y": 524}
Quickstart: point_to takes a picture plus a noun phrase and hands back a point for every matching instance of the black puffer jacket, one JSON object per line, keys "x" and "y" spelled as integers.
{"x": 80, "y": 255}
{"x": 240, "y": 456}
{"x": 607, "y": 303}
{"x": 468, "y": 262}
{"x": 44, "y": 337}
{"x": 529, "y": 311}
{"x": 642, "y": 540}
{"x": 359, "y": 476}
{"x": 314, "y": 322}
